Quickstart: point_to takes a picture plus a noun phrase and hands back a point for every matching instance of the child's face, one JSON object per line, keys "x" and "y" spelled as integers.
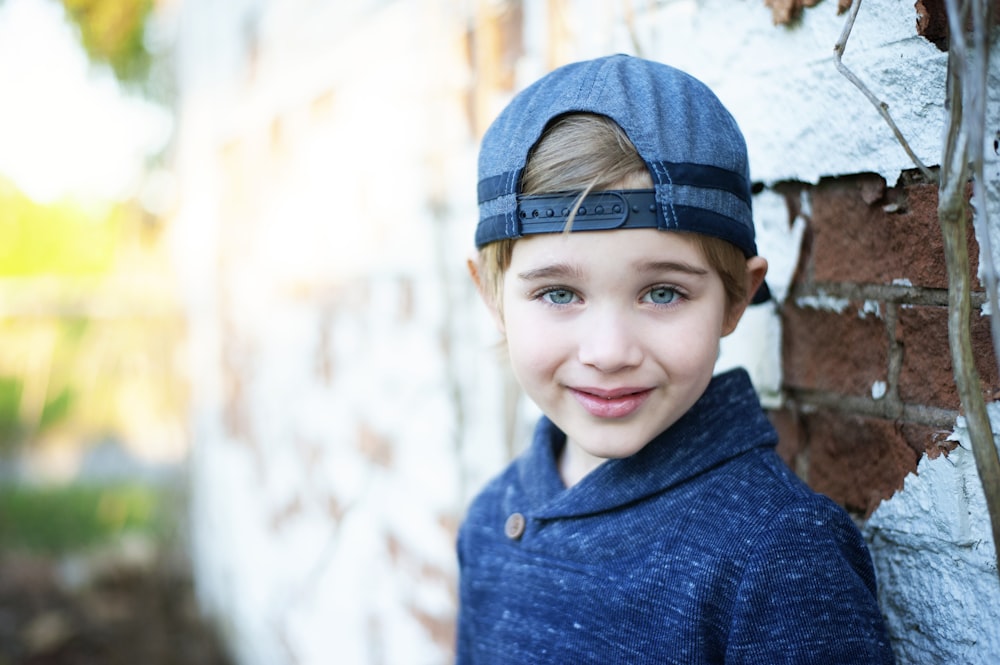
{"x": 613, "y": 334}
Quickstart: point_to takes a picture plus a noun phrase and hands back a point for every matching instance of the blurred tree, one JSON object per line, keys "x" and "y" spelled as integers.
{"x": 113, "y": 32}
{"x": 87, "y": 321}
{"x": 56, "y": 239}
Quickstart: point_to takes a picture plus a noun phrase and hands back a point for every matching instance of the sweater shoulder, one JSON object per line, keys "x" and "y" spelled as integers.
{"x": 773, "y": 485}
{"x": 757, "y": 500}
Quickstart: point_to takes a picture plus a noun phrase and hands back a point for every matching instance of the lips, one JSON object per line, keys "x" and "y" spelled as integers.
{"x": 617, "y": 403}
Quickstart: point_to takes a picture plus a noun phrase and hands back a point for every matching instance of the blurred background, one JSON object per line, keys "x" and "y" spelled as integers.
{"x": 232, "y": 246}
{"x": 93, "y": 392}
{"x": 246, "y": 386}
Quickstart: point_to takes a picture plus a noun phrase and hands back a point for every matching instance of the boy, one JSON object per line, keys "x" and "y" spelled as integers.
{"x": 650, "y": 520}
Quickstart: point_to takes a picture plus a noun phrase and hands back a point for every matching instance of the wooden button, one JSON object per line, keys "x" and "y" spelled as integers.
{"x": 514, "y": 527}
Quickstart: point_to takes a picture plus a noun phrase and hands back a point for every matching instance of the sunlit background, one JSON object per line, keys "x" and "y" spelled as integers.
{"x": 80, "y": 251}
{"x": 213, "y": 228}
{"x": 93, "y": 395}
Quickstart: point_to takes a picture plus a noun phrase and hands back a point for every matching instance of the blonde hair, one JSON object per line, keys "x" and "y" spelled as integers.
{"x": 589, "y": 152}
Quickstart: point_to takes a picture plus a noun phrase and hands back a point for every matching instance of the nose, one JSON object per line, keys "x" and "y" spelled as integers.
{"x": 609, "y": 341}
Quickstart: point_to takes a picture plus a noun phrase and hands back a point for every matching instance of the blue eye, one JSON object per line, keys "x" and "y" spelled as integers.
{"x": 662, "y": 295}
{"x": 559, "y": 296}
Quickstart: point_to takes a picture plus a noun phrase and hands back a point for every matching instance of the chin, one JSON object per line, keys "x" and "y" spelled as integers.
{"x": 610, "y": 450}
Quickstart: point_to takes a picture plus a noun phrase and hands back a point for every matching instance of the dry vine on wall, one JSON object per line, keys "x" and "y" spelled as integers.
{"x": 969, "y": 24}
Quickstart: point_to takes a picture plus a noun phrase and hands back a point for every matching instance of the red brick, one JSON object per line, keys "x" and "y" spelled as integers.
{"x": 856, "y": 238}
{"x": 926, "y": 439}
{"x": 791, "y": 438}
{"x": 932, "y": 22}
{"x": 855, "y": 460}
{"x": 842, "y": 353}
{"x": 926, "y": 375}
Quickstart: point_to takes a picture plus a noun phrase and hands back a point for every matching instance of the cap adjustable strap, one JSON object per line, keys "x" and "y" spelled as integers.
{"x": 599, "y": 211}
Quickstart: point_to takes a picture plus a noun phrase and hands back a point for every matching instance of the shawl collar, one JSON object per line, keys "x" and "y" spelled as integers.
{"x": 727, "y": 420}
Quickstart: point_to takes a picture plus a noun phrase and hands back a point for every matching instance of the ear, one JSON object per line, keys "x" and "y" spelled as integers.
{"x": 486, "y": 294}
{"x": 756, "y": 271}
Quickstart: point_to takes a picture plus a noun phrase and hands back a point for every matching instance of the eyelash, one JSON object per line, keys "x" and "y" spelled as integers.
{"x": 679, "y": 295}
{"x": 542, "y": 293}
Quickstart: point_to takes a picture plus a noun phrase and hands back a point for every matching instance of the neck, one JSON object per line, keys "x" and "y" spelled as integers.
{"x": 574, "y": 464}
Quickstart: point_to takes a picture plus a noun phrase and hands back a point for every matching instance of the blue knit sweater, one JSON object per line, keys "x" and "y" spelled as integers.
{"x": 701, "y": 548}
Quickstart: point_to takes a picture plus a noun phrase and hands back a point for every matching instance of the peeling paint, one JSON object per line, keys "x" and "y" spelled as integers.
{"x": 872, "y": 307}
{"x": 823, "y": 302}
{"x": 878, "y": 389}
{"x": 937, "y": 573}
{"x": 784, "y": 12}
{"x": 313, "y": 331}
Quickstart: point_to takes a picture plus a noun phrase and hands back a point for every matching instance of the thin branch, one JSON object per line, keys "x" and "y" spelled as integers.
{"x": 962, "y": 156}
{"x": 966, "y": 91}
{"x": 882, "y": 107}
{"x": 975, "y": 102}
{"x": 952, "y": 214}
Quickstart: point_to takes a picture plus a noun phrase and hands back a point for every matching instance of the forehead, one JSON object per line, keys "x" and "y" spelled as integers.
{"x": 622, "y": 249}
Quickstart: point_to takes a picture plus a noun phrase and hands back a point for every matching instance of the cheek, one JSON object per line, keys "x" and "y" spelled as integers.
{"x": 533, "y": 346}
{"x": 689, "y": 357}
{"x": 692, "y": 349}
{"x": 526, "y": 349}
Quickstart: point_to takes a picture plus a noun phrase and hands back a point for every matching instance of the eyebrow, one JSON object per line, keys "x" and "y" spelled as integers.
{"x": 566, "y": 271}
{"x": 554, "y": 271}
{"x": 672, "y": 266}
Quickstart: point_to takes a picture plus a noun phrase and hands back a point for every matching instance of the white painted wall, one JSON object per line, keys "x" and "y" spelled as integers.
{"x": 935, "y": 562}
{"x": 347, "y": 399}
{"x": 333, "y": 446}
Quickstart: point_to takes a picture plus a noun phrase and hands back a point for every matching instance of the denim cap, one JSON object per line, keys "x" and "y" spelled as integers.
{"x": 690, "y": 143}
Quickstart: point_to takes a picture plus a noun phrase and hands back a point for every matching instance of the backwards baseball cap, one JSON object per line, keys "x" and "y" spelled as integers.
{"x": 690, "y": 143}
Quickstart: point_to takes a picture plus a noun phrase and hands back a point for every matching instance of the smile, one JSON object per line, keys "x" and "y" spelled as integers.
{"x": 611, "y": 403}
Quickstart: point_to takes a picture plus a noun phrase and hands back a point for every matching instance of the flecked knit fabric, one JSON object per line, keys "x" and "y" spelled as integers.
{"x": 701, "y": 548}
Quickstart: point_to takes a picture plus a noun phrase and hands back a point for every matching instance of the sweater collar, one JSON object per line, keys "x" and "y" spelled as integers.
{"x": 727, "y": 420}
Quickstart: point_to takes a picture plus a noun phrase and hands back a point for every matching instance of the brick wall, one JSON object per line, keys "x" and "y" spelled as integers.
{"x": 347, "y": 399}
{"x": 867, "y": 369}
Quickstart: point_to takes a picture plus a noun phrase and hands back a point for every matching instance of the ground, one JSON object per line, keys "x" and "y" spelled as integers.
{"x": 126, "y": 605}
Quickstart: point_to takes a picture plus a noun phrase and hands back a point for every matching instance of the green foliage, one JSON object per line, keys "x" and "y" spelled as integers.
{"x": 65, "y": 343}
{"x": 58, "y": 239}
{"x": 57, "y": 520}
{"x": 85, "y": 342}
{"x": 113, "y": 32}
{"x": 10, "y": 419}
{"x": 57, "y": 408}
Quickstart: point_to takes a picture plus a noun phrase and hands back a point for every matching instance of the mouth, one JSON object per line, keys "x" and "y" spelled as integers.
{"x": 617, "y": 403}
